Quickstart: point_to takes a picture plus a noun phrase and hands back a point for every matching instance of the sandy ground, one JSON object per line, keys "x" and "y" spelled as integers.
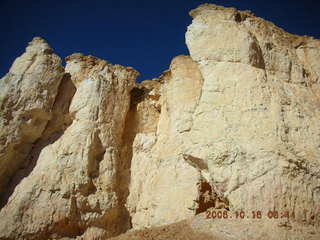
{"x": 200, "y": 228}
{"x": 176, "y": 231}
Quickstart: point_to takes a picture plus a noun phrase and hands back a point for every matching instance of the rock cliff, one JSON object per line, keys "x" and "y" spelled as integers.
{"x": 88, "y": 153}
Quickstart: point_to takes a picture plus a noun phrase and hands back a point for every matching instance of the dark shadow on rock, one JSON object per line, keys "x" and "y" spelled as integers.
{"x": 123, "y": 170}
{"x": 208, "y": 198}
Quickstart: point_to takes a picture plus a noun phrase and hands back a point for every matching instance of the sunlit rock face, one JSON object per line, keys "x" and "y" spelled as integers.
{"x": 256, "y": 124}
{"x": 27, "y": 94}
{"x": 87, "y": 153}
{"x": 73, "y": 188}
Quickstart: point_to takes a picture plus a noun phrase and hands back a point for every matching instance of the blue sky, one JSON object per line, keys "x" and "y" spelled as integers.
{"x": 143, "y": 34}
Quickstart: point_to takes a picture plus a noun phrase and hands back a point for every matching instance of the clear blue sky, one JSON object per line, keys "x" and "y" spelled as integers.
{"x": 143, "y": 34}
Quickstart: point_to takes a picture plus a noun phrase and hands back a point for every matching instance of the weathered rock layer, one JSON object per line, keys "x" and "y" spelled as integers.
{"x": 234, "y": 126}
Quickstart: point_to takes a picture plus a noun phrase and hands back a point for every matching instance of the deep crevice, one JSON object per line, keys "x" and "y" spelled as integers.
{"x": 123, "y": 168}
{"x": 123, "y": 178}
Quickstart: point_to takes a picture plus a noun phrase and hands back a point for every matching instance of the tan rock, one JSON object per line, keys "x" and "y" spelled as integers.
{"x": 252, "y": 119}
{"x": 27, "y": 94}
{"x": 232, "y": 127}
{"x": 157, "y": 160}
{"x": 242, "y": 117}
{"x": 73, "y": 186}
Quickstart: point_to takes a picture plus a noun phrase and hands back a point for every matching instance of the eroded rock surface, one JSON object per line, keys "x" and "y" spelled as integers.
{"x": 256, "y": 124}
{"x": 232, "y": 127}
{"x": 240, "y": 114}
{"x": 27, "y": 94}
{"x": 72, "y": 190}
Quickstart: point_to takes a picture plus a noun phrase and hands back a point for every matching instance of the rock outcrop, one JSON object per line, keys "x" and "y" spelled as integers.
{"x": 234, "y": 127}
{"x": 72, "y": 189}
{"x": 27, "y": 94}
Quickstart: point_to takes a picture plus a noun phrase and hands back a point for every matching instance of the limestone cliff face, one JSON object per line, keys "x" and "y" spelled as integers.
{"x": 27, "y": 94}
{"x": 260, "y": 97}
{"x": 72, "y": 189}
{"x": 233, "y": 126}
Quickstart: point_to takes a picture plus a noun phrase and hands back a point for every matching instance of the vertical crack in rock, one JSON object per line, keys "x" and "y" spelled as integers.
{"x": 140, "y": 107}
{"x": 141, "y": 124}
{"x": 124, "y": 165}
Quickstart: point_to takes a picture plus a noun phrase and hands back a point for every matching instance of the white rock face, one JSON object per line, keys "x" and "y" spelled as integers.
{"x": 73, "y": 186}
{"x": 27, "y": 94}
{"x": 158, "y": 158}
{"x": 232, "y": 127}
{"x": 245, "y": 106}
{"x": 255, "y": 115}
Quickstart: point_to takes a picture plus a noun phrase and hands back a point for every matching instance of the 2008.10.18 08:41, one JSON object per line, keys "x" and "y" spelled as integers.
{"x": 224, "y": 214}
